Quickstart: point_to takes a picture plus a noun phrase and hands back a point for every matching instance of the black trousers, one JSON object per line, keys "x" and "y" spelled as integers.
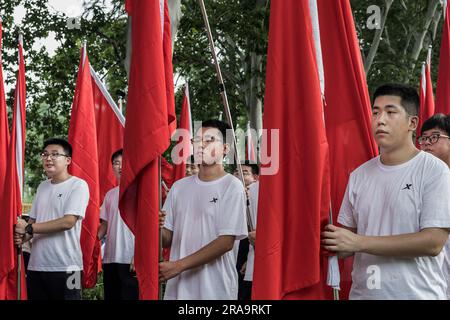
{"x": 241, "y": 259}
{"x": 119, "y": 283}
{"x": 246, "y": 293}
{"x": 43, "y": 285}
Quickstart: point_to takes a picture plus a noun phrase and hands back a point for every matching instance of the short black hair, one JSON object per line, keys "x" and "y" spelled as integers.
{"x": 60, "y": 142}
{"x": 253, "y": 166}
{"x": 440, "y": 121}
{"x": 410, "y": 100}
{"x": 116, "y": 154}
{"x": 220, "y": 125}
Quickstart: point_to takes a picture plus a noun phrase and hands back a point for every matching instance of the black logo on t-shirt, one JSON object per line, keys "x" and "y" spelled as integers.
{"x": 59, "y": 195}
{"x": 408, "y": 186}
{"x": 214, "y": 200}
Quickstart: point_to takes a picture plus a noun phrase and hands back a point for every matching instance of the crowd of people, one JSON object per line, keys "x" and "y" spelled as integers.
{"x": 395, "y": 217}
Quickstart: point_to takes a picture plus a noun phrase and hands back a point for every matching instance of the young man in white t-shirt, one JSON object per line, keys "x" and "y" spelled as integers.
{"x": 435, "y": 139}
{"x": 396, "y": 209}
{"x": 54, "y": 269}
{"x": 250, "y": 172}
{"x": 205, "y": 219}
{"x": 119, "y": 279}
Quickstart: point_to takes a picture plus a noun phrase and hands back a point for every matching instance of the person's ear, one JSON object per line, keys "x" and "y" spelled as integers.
{"x": 226, "y": 148}
{"x": 68, "y": 160}
{"x": 413, "y": 123}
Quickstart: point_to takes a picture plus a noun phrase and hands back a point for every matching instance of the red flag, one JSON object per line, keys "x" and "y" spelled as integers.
{"x": 426, "y": 93}
{"x": 293, "y": 203}
{"x": 249, "y": 146}
{"x": 12, "y": 192}
{"x": 83, "y": 138}
{"x": 347, "y": 106}
{"x": 443, "y": 82}
{"x": 147, "y": 136}
{"x": 184, "y": 144}
{"x": 4, "y": 130}
{"x": 109, "y": 123}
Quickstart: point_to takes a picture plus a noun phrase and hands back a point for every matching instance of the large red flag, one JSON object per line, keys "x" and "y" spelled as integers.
{"x": 443, "y": 82}
{"x": 147, "y": 135}
{"x": 347, "y": 106}
{"x": 184, "y": 144}
{"x": 12, "y": 192}
{"x": 426, "y": 93}
{"x": 4, "y": 143}
{"x": 109, "y": 123}
{"x": 293, "y": 203}
{"x": 4, "y": 130}
{"x": 83, "y": 138}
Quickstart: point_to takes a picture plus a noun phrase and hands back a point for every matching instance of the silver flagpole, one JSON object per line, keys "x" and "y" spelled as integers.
{"x": 223, "y": 94}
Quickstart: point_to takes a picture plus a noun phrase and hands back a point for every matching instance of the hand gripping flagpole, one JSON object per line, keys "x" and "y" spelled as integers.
{"x": 223, "y": 94}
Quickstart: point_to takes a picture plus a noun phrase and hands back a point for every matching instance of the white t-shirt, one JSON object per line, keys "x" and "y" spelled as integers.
{"x": 385, "y": 200}
{"x": 253, "y": 191}
{"x": 198, "y": 212}
{"x": 60, "y": 251}
{"x": 446, "y": 266}
{"x": 119, "y": 246}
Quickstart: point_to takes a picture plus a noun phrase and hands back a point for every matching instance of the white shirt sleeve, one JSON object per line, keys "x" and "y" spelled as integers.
{"x": 435, "y": 211}
{"x": 232, "y": 219}
{"x": 33, "y": 211}
{"x": 346, "y": 213}
{"x": 168, "y": 208}
{"x": 105, "y": 208}
{"x": 77, "y": 201}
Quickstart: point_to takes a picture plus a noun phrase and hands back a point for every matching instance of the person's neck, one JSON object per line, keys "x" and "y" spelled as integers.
{"x": 399, "y": 155}
{"x": 60, "y": 177}
{"x": 211, "y": 173}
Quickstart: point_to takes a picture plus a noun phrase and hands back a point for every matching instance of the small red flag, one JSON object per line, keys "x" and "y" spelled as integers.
{"x": 443, "y": 82}
{"x": 183, "y": 142}
{"x": 426, "y": 94}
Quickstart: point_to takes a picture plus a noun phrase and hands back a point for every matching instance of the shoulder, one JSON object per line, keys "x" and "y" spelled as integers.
{"x": 79, "y": 183}
{"x": 432, "y": 163}
{"x": 114, "y": 192}
{"x": 232, "y": 183}
{"x": 365, "y": 168}
{"x": 183, "y": 183}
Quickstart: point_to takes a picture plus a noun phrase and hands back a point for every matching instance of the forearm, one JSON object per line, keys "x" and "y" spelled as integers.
{"x": 343, "y": 255}
{"x": 424, "y": 243}
{"x": 53, "y": 226}
{"x": 208, "y": 253}
{"x": 166, "y": 237}
{"x": 102, "y": 229}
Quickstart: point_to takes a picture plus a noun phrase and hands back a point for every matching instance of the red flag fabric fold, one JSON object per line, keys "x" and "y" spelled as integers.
{"x": 184, "y": 144}
{"x": 293, "y": 203}
{"x": 147, "y": 135}
{"x": 443, "y": 82}
{"x": 109, "y": 123}
{"x": 347, "y": 107}
{"x": 426, "y": 94}
{"x": 83, "y": 138}
{"x": 11, "y": 198}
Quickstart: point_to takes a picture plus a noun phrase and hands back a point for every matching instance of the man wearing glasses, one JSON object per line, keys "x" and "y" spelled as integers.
{"x": 396, "y": 209}
{"x": 54, "y": 269}
{"x": 205, "y": 218}
{"x": 435, "y": 139}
